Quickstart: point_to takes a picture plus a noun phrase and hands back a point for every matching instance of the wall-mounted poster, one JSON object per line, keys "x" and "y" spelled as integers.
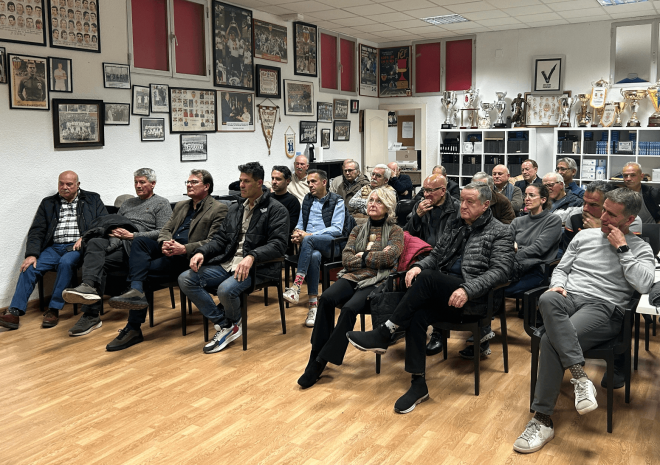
{"x": 342, "y": 130}
{"x": 117, "y": 114}
{"x": 340, "y": 108}
{"x": 194, "y": 147}
{"x": 268, "y": 81}
{"x": 308, "y": 131}
{"x": 75, "y": 25}
{"x": 60, "y": 74}
{"x": 324, "y": 112}
{"x": 270, "y": 41}
{"x": 232, "y": 29}
{"x": 116, "y": 76}
{"x": 159, "y": 98}
{"x": 236, "y": 111}
{"x": 368, "y": 70}
{"x": 22, "y": 22}
{"x": 298, "y": 98}
{"x": 153, "y": 129}
{"x": 306, "y": 49}
{"x": 28, "y": 82}
{"x": 78, "y": 123}
{"x": 192, "y": 110}
{"x": 394, "y": 72}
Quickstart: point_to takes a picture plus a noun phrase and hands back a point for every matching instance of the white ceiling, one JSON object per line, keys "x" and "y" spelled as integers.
{"x": 383, "y": 21}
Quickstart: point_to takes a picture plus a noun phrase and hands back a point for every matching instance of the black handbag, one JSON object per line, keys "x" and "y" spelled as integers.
{"x": 383, "y": 303}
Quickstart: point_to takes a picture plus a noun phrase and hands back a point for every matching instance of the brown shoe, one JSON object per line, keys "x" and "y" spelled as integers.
{"x": 9, "y": 320}
{"x": 51, "y": 318}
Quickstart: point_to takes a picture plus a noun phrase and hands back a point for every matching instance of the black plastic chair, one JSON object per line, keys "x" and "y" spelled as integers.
{"x": 42, "y": 298}
{"x": 403, "y": 209}
{"x": 153, "y": 285}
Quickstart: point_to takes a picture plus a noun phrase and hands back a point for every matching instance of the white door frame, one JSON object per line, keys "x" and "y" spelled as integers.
{"x": 422, "y": 125}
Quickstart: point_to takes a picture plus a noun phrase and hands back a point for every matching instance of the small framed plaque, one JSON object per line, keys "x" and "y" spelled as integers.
{"x": 308, "y": 131}
{"x": 340, "y": 109}
{"x": 325, "y": 138}
{"x": 268, "y": 79}
{"x": 548, "y": 74}
{"x": 116, "y": 76}
{"x": 117, "y": 114}
{"x": 324, "y": 112}
{"x": 159, "y": 98}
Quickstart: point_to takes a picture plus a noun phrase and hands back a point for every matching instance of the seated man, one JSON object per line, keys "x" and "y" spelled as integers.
{"x": 253, "y": 231}
{"x": 452, "y": 187}
{"x": 53, "y": 243}
{"x": 352, "y": 181}
{"x": 632, "y": 178}
{"x": 148, "y": 213}
{"x": 529, "y": 168}
{"x": 337, "y": 180}
{"x": 357, "y": 206}
{"x": 474, "y": 255}
{"x": 561, "y": 199}
{"x": 280, "y": 181}
{"x": 584, "y": 307}
{"x": 322, "y": 218}
{"x": 568, "y": 168}
{"x": 503, "y": 186}
{"x": 400, "y": 182}
{"x": 193, "y": 224}
{"x": 298, "y": 186}
{"x": 500, "y": 205}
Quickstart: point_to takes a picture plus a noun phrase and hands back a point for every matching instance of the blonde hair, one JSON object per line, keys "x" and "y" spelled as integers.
{"x": 387, "y": 195}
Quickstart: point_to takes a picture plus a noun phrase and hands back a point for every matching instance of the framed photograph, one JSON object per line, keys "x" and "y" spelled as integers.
{"x": 3, "y": 65}
{"x": 117, "y": 114}
{"x": 543, "y": 111}
{"x": 153, "y": 129}
{"x": 78, "y": 123}
{"x": 61, "y": 78}
{"x": 368, "y": 70}
{"x": 28, "y": 82}
{"x": 341, "y": 130}
{"x": 306, "y": 49}
{"x": 548, "y": 74}
{"x": 340, "y": 109}
{"x": 193, "y": 110}
{"x": 308, "y": 130}
{"x": 22, "y": 22}
{"x": 232, "y": 29}
{"x": 193, "y": 147}
{"x": 298, "y": 98}
{"x": 324, "y": 112}
{"x": 268, "y": 80}
{"x": 394, "y": 71}
{"x": 141, "y": 100}
{"x": 269, "y": 41}
{"x": 392, "y": 119}
{"x": 236, "y": 111}
{"x": 79, "y": 25}
{"x": 325, "y": 138}
{"x": 116, "y": 76}
{"x": 159, "y": 98}
{"x": 355, "y": 106}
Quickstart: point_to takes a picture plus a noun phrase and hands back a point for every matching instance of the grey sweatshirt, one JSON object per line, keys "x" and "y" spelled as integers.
{"x": 537, "y": 237}
{"x": 149, "y": 216}
{"x": 591, "y": 267}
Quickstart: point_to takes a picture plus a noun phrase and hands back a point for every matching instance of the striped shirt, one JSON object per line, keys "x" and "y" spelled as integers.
{"x": 67, "y": 226}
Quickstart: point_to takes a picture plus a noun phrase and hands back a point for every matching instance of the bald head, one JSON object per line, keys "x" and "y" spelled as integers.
{"x": 67, "y": 185}
{"x": 500, "y": 176}
{"x": 435, "y": 188}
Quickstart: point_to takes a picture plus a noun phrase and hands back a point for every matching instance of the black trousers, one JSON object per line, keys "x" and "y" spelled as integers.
{"x": 329, "y": 341}
{"x": 96, "y": 264}
{"x": 426, "y": 302}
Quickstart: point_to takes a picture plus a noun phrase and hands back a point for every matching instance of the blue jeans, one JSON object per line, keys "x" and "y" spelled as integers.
{"x": 55, "y": 257}
{"x": 195, "y": 285}
{"x": 532, "y": 278}
{"x": 309, "y": 259}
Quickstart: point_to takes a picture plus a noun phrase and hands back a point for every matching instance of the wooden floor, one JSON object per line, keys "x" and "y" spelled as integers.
{"x": 66, "y": 400}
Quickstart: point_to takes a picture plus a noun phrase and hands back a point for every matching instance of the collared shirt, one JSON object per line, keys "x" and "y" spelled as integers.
{"x": 230, "y": 265}
{"x": 182, "y": 232}
{"x": 67, "y": 226}
{"x": 315, "y": 224}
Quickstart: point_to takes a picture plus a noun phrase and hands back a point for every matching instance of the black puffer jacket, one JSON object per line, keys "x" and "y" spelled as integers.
{"x": 45, "y": 221}
{"x": 487, "y": 258}
{"x": 266, "y": 236}
{"x": 420, "y": 226}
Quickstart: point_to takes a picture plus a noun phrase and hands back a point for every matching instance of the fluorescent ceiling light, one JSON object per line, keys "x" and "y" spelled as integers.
{"x": 618, "y": 2}
{"x": 445, "y": 19}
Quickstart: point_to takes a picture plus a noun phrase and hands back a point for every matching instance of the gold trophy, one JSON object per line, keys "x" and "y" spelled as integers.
{"x": 634, "y": 96}
{"x": 652, "y": 92}
{"x": 584, "y": 118}
{"x": 620, "y": 106}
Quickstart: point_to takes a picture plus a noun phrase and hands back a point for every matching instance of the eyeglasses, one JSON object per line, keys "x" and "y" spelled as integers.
{"x": 561, "y": 169}
{"x": 428, "y": 190}
{"x": 550, "y": 185}
{"x": 376, "y": 175}
{"x": 192, "y": 183}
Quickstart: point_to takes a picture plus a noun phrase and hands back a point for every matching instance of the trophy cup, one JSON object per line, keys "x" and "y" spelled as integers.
{"x": 500, "y": 106}
{"x": 566, "y": 104}
{"x": 620, "y": 106}
{"x": 584, "y": 118}
{"x": 484, "y": 121}
{"x": 467, "y": 112}
{"x": 652, "y": 92}
{"x": 448, "y": 101}
{"x": 634, "y": 96}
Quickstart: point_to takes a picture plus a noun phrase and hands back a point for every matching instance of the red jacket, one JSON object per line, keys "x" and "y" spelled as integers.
{"x": 414, "y": 249}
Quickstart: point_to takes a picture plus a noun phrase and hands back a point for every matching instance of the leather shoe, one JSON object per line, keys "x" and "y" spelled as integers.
{"x": 51, "y": 318}
{"x": 9, "y": 320}
{"x": 434, "y": 346}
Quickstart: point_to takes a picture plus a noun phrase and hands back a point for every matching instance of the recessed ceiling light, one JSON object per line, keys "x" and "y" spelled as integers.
{"x": 618, "y": 2}
{"x": 445, "y": 19}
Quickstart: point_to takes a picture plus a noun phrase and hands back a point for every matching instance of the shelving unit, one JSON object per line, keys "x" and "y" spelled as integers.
{"x": 575, "y": 143}
{"x": 498, "y": 146}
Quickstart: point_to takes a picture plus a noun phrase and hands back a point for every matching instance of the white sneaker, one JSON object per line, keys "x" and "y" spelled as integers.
{"x": 585, "y": 396}
{"x": 535, "y": 436}
{"x": 311, "y": 317}
{"x": 291, "y": 295}
{"x": 223, "y": 337}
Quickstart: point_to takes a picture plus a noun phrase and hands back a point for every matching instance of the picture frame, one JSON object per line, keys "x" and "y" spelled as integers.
{"x": 28, "y": 82}
{"x": 236, "y": 111}
{"x": 61, "y": 74}
{"x": 78, "y": 123}
{"x": 232, "y": 29}
{"x": 340, "y": 108}
{"x": 117, "y": 114}
{"x": 543, "y": 111}
{"x": 298, "y": 98}
{"x": 368, "y": 71}
{"x": 268, "y": 81}
{"x": 3, "y": 65}
{"x": 83, "y": 26}
{"x": 141, "y": 100}
{"x": 193, "y": 110}
{"x": 308, "y": 132}
{"x": 324, "y": 112}
{"x": 394, "y": 71}
{"x": 22, "y": 31}
{"x": 305, "y": 52}
{"x": 152, "y": 129}
{"x": 159, "y": 98}
{"x": 548, "y": 74}
{"x": 341, "y": 131}
{"x": 193, "y": 147}
{"x": 355, "y": 106}
{"x": 325, "y": 138}
{"x": 270, "y": 41}
{"x": 116, "y": 76}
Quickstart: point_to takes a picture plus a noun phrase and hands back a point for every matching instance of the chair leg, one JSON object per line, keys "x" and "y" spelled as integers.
{"x": 610, "y": 390}
{"x": 636, "y": 351}
{"x": 535, "y": 369}
{"x": 265, "y": 296}
{"x": 149, "y": 294}
{"x": 445, "y": 335}
{"x": 627, "y": 375}
{"x": 280, "y": 298}
{"x": 102, "y": 305}
{"x": 286, "y": 281}
{"x": 244, "y": 317}
{"x": 40, "y": 287}
{"x": 75, "y": 309}
{"x": 647, "y": 333}
{"x": 654, "y": 324}
{"x": 206, "y": 329}
{"x": 476, "y": 333}
{"x": 183, "y": 299}
{"x": 378, "y": 363}
{"x": 172, "y": 297}
{"x": 505, "y": 345}
{"x": 362, "y": 321}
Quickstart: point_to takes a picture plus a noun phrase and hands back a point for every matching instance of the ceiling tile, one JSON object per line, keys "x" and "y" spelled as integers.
{"x": 369, "y": 10}
{"x": 498, "y": 21}
{"x": 631, "y": 14}
{"x": 587, "y": 13}
{"x": 332, "y": 15}
{"x": 306, "y": 6}
{"x": 488, "y": 14}
{"x": 349, "y": 31}
{"x": 369, "y": 37}
{"x": 439, "y": 35}
{"x": 390, "y": 34}
{"x": 276, "y": 10}
{"x": 457, "y": 26}
{"x": 425, "y": 30}
{"x": 405, "y": 5}
{"x": 527, "y": 10}
{"x": 646, "y": 6}
{"x": 428, "y": 12}
{"x": 547, "y": 2}
{"x": 355, "y": 21}
{"x": 509, "y": 27}
{"x": 538, "y": 18}
{"x": 390, "y": 17}
{"x": 408, "y": 24}
{"x": 345, "y": 3}
{"x": 575, "y": 5}
{"x": 374, "y": 27}
{"x": 555, "y": 22}
{"x": 513, "y": 3}
{"x": 468, "y": 7}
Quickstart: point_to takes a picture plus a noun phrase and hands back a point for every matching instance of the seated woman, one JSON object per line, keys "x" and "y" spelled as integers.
{"x": 370, "y": 255}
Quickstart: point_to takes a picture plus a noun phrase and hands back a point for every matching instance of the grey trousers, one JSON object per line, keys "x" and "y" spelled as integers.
{"x": 572, "y": 324}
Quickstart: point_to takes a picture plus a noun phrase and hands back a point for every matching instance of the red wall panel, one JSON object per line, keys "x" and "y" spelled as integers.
{"x": 427, "y": 67}
{"x": 329, "y": 62}
{"x": 459, "y": 65}
{"x": 150, "y": 34}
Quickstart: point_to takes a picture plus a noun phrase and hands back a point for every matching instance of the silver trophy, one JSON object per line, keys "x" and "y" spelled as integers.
{"x": 500, "y": 106}
{"x": 469, "y": 115}
{"x": 484, "y": 121}
{"x": 566, "y": 104}
{"x": 448, "y": 101}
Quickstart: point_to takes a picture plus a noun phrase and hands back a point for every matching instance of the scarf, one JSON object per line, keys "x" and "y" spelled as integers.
{"x": 361, "y": 246}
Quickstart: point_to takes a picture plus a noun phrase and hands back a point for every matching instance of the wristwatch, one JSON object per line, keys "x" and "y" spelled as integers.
{"x": 623, "y": 249}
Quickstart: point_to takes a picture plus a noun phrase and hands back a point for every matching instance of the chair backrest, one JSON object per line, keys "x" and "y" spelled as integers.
{"x": 121, "y": 199}
{"x": 403, "y": 209}
{"x": 651, "y": 234}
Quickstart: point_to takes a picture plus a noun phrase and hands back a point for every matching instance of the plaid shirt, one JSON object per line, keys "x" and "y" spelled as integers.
{"x": 67, "y": 227}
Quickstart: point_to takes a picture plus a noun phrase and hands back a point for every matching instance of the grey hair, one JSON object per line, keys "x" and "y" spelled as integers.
{"x": 569, "y": 162}
{"x": 357, "y": 165}
{"x": 485, "y": 192}
{"x": 388, "y": 172}
{"x": 601, "y": 186}
{"x": 388, "y": 197}
{"x": 635, "y": 164}
{"x": 504, "y": 166}
{"x": 483, "y": 175}
{"x": 631, "y": 200}
{"x": 557, "y": 177}
{"x": 147, "y": 173}
{"x": 205, "y": 177}
{"x": 441, "y": 168}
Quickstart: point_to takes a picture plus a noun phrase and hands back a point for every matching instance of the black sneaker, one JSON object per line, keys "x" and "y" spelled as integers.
{"x": 86, "y": 324}
{"x": 82, "y": 294}
{"x": 127, "y": 337}
{"x": 417, "y": 394}
{"x": 468, "y": 352}
{"x": 312, "y": 374}
{"x": 619, "y": 379}
{"x": 131, "y": 300}
{"x": 377, "y": 340}
{"x": 434, "y": 346}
